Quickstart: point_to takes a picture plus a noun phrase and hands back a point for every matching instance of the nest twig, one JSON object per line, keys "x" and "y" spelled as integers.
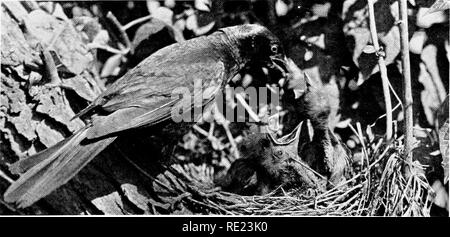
{"x": 387, "y": 193}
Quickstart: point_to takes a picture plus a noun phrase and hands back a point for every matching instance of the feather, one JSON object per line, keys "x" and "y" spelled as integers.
{"x": 23, "y": 165}
{"x": 63, "y": 162}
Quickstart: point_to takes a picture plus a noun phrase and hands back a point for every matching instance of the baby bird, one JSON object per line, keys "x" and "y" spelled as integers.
{"x": 269, "y": 162}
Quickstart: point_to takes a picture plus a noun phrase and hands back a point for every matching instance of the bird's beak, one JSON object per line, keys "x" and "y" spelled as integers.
{"x": 279, "y": 64}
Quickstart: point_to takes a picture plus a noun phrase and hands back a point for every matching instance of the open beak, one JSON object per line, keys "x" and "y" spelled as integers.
{"x": 279, "y": 64}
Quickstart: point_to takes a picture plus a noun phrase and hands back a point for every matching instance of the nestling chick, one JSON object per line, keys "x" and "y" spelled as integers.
{"x": 319, "y": 147}
{"x": 267, "y": 163}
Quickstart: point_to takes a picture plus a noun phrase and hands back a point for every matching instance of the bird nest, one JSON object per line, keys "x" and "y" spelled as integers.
{"x": 378, "y": 186}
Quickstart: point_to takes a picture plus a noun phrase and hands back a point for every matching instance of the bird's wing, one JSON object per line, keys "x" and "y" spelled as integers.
{"x": 146, "y": 96}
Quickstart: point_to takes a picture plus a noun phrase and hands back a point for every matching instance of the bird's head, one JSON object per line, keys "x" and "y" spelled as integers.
{"x": 255, "y": 43}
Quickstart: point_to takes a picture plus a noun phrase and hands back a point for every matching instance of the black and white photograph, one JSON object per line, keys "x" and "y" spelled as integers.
{"x": 225, "y": 108}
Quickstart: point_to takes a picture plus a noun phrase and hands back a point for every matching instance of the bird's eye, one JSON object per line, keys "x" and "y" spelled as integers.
{"x": 274, "y": 49}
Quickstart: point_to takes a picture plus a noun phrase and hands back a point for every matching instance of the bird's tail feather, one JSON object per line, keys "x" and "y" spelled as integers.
{"x": 48, "y": 170}
{"x": 22, "y": 165}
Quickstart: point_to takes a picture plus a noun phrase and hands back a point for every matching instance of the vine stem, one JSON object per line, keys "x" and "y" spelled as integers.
{"x": 136, "y": 22}
{"x": 118, "y": 29}
{"x": 383, "y": 70}
{"x": 407, "y": 92}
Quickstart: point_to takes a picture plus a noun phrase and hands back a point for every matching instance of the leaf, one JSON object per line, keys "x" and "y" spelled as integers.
{"x": 110, "y": 66}
{"x": 62, "y": 37}
{"x": 169, "y": 3}
{"x": 150, "y": 37}
{"x": 16, "y": 9}
{"x": 91, "y": 29}
{"x": 321, "y": 10}
{"x": 102, "y": 38}
{"x": 318, "y": 40}
{"x": 439, "y": 5}
{"x": 281, "y": 8}
{"x": 192, "y": 24}
{"x": 308, "y": 55}
{"x": 426, "y": 17}
{"x": 58, "y": 12}
{"x": 47, "y": 135}
{"x": 412, "y": 2}
{"x": 203, "y": 5}
{"x": 14, "y": 49}
{"x": 417, "y": 42}
{"x": 152, "y": 5}
{"x": 164, "y": 14}
{"x": 369, "y": 49}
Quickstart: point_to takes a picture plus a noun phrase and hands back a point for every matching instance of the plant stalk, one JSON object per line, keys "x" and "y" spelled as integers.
{"x": 383, "y": 70}
{"x": 407, "y": 92}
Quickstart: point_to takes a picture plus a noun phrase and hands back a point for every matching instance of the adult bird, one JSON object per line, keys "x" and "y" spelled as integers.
{"x": 142, "y": 98}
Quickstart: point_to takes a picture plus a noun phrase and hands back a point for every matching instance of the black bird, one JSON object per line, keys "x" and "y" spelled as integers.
{"x": 142, "y": 98}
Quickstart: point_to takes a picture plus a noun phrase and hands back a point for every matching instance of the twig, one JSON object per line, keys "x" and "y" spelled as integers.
{"x": 231, "y": 139}
{"x": 310, "y": 169}
{"x": 135, "y": 22}
{"x": 383, "y": 70}
{"x": 250, "y": 111}
{"x": 342, "y": 196}
{"x": 107, "y": 48}
{"x": 400, "y": 103}
{"x": 396, "y": 96}
{"x": 407, "y": 93}
{"x": 361, "y": 140}
{"x": 211, "y": 129}
{"x": 363, "y": 143}
{"x": 218, "y": 116}
{"x": 118, "y": 28}
{"x": 209, "y": 136}
{"x": 11, "y": 208}
{"x": 6, "y": 177}
{"x": 384, "y": 115}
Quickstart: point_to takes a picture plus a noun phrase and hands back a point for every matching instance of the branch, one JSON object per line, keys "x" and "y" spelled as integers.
{"x": 135, "y": 22}
{"x": 383, "y": 70}
{"x": 118, "y": 28}
{"x": 407, "y": 94}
